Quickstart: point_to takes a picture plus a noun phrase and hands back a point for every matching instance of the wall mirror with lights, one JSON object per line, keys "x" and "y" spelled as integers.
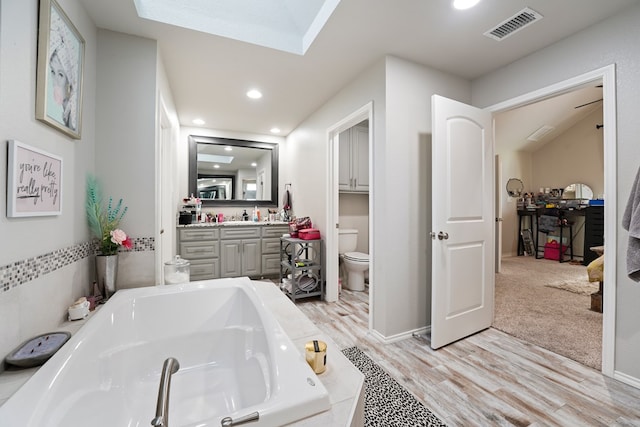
{"x": 233, "y": 172}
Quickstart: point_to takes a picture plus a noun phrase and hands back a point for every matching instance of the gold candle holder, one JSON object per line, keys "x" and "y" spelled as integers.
{"x": 316, "y": 355}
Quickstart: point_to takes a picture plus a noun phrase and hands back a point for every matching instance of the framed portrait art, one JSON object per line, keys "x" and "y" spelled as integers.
{"x": 34, "y": 181}
{"x": 60, "y": 69}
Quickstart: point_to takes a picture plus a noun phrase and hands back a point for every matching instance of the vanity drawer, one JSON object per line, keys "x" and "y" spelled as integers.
{"x": 198, "y": 234}
{"x": 270, "y": 264}
{"x": 240, "y": 232}
{"x": 274, "y": 231}
{"x": 271, "y": 245}
{"x": 204, "y": 269}
{"x": 195, "y": 250}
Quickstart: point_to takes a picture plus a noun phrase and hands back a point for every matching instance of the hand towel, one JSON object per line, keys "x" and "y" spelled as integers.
{"x": 286, "y": 201}
{"x": 631, "y": 223}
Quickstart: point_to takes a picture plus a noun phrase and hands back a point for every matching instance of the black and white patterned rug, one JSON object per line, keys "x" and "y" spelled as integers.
{"x": 386, "y": 402}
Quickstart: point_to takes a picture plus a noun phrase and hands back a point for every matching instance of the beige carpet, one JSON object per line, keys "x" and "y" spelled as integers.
{"x": 555, "y": 319}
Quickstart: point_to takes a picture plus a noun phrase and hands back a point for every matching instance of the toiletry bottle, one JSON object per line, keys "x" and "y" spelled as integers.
{"x": 245, "y": 215}
{"x": 255, "y": 215}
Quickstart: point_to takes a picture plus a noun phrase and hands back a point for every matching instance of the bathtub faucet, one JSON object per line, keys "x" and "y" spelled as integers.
{"x": 169, "y": 368}
{"x": 228, "y": 421}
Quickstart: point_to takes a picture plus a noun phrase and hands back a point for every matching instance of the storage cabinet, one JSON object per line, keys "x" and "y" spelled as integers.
{"x": 301, "y": 268}
{"x": 201, "y": 246}
{"x": 353, "y": 174}
{"x": 593, "y": 232}
{"x": 240, "y": 258}
{"x": 240, "y": 251}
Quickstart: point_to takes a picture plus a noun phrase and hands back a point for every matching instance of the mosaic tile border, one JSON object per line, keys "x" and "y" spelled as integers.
{"x": 20, "y": 272}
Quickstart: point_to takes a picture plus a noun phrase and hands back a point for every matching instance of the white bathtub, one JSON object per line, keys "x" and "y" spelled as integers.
{"x": 234, "y": 360}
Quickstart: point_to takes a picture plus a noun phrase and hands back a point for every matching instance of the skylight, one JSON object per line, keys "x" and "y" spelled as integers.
{"x": 288, "y": 25}
{"x": 214, "y": 158}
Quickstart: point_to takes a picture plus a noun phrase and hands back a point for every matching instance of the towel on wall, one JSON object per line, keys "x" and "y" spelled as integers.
{"x": 286, "y": 200}
{"x": 631, "y": 223}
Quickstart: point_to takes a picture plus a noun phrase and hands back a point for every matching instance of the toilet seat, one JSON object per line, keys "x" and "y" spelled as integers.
{"x": 357, "y": 256}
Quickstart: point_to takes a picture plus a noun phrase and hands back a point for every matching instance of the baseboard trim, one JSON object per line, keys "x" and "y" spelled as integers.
{"x": 627, "y": 379}
{"x": 401, "y": 336}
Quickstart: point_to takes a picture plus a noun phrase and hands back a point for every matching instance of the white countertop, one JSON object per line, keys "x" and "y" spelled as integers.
{"x": 343, "y": 381}
{"x": 233, "y": 224}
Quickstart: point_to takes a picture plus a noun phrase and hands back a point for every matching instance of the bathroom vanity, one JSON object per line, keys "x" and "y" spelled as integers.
{"x": 231, "y": 249}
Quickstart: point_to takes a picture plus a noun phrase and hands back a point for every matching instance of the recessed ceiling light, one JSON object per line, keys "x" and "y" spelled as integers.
{"x": 464, "y": 4}
{"x": 254, "y": 164}
{"x": 254, "y": 94}
{"x": 275, "y": 130}
{"x": 216, "y": 166}
{"x": 198, "y": 122}
{"x": 228, "y": 148}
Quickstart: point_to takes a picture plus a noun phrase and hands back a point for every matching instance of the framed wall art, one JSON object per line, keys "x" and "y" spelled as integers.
{"x": 34, "y": 182}
{"x": 60, "y": 70}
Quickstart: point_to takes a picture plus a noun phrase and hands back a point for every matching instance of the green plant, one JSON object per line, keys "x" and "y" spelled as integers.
{"x": 104, "y": 223}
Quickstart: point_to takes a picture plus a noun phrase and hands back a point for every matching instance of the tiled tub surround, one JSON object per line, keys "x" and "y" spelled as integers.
{"x": 35, "y": 292}
{"x": 341, "y": 379}
{"x": 24, "y": 271}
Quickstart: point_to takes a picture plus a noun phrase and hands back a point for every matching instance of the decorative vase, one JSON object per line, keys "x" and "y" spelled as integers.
{"x": 107, "y": 274}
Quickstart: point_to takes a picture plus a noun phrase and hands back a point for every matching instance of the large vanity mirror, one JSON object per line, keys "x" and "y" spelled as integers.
{"x": 233, "y": 172}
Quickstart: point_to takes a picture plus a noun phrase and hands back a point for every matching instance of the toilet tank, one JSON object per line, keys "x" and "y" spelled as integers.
{"x": 347, "y": 240}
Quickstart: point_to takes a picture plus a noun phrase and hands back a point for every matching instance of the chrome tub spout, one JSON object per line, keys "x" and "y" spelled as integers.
{"x": 169, "y": 368}
{"x": 228, "y": 421}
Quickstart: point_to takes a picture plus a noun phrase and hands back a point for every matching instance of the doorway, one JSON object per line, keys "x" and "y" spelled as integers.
{"x": 606, "y": 76}
{"x": 365, "y": 113}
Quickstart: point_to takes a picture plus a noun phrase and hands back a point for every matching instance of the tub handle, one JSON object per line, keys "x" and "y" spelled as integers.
{"x": 169, "y": 367}
{"x": 228, "y": 421}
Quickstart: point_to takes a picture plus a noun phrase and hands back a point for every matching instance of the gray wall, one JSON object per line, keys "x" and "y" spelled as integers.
{"x": 36, "y": 306}
{"x": 126, "y": 141}
{"x": 614, "y": 41}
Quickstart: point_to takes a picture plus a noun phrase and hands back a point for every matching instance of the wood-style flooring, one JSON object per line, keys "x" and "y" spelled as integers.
{"x": 488, "y": 379}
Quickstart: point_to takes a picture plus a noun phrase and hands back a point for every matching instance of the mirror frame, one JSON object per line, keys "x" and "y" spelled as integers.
{"x": 512, "y": 193}
{"x": 193, "y": 169}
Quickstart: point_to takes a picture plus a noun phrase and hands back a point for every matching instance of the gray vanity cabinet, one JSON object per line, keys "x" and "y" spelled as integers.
{"x": 271, "y": 249}
{"x": 353, "y": 169}
{"x": 231, "y": 251}
{"x": 240, "y": 249}
{"x": 201, "y": 246}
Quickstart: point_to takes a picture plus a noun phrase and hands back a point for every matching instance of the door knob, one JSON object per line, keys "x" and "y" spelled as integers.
{"x": 442, "y": 236}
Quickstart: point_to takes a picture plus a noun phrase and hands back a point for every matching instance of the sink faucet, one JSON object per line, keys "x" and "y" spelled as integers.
{"x": 169, "y": 368}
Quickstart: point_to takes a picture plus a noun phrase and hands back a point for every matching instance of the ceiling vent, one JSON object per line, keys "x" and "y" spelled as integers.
{"x": 540, "y": 133}
{"x": 514, "y": 24}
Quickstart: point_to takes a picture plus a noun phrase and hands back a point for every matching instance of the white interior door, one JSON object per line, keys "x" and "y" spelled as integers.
{"x": 463, "y": 221}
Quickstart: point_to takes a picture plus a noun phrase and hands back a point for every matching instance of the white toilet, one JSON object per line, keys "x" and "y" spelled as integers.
{"x": 356, "y": 263}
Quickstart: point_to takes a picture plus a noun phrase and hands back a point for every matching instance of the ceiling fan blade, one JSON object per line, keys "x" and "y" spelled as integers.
{"x": 588, "y": 103}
